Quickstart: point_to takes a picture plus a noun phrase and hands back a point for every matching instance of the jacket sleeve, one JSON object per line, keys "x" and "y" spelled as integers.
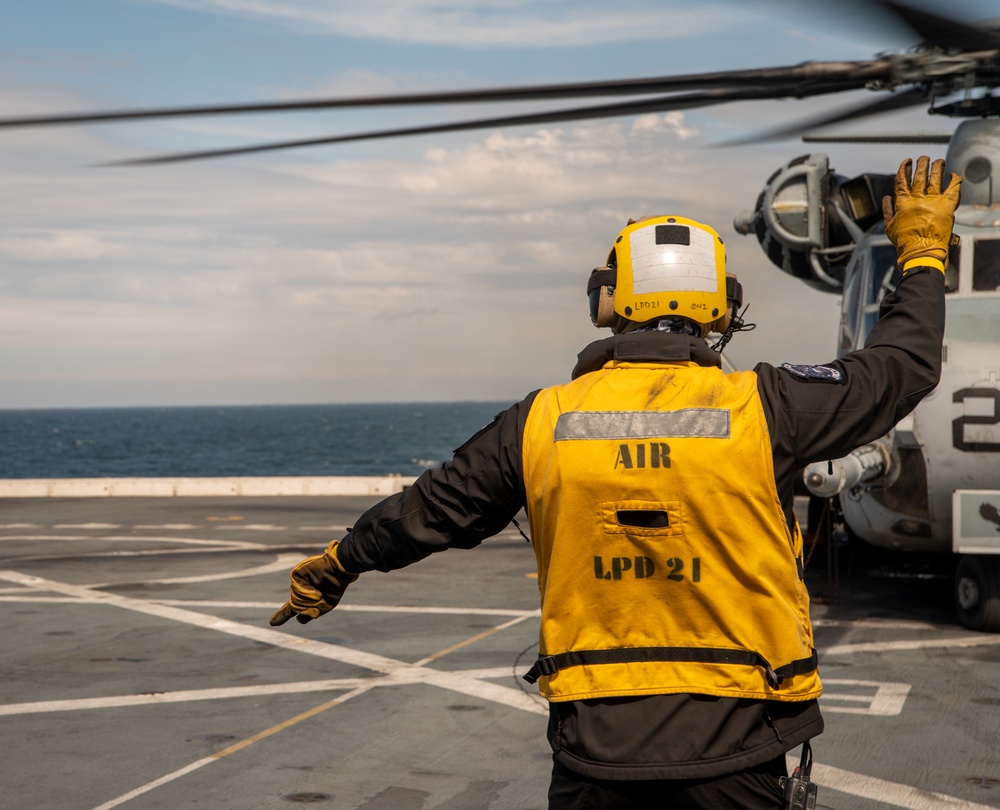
{"x": 457, "y": 505}
{"x": 813, "y": 420}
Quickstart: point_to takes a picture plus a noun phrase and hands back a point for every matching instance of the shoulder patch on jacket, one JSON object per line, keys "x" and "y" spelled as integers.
{"x": 821, "y": 373}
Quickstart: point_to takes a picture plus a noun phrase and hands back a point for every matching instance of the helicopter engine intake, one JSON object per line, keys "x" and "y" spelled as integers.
{"x": 808, "y": 218}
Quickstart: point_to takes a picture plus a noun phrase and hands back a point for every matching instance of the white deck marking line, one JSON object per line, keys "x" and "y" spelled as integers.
{"x": 163, "y": 780}
{"x": 253, "y": 527}
{"x": 154, "y": 552}
{"x": 341, "y": 608}
{"x": 184, "y": 696}
{"x": 237, "y": 545}
{"x": 484, "y": 690}
{"x": 226, "y": 692}
{"x": 222, "y": 693}
{"x": 882, "y": 790}
{"x": 71, "y": 538}
{"x": 470, "y": 640}
{"x": 339, "y": 531}
{"x": 493, "y": 672}
{"x": 232, "y": 749}
{"x": 887, "y": 701}
{"x": 283, "y": 562}
{"x": 177, "y": 526}
{"x": 876, "y": 624}
{"x": 86, "y": 525}
{"x": 844, "y": 781}
{"x": 55, "y": 600}
{"x": 24, "y": 595}
{"x": 215, "y": 548}
{"x": 914, "y": 644}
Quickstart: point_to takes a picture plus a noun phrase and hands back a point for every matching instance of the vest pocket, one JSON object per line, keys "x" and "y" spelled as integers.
{"x": 642, "y": 518}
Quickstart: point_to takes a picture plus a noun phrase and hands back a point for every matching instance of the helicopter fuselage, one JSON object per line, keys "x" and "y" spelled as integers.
{"x": 951, "y": 442}
{"x": 933, "y": 483}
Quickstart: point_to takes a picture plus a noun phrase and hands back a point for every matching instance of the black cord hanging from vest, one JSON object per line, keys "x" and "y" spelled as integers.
{"x": 518, "y": 527}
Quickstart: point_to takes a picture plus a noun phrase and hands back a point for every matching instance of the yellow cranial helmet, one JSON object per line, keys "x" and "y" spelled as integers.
{"x": 669, "y": 266}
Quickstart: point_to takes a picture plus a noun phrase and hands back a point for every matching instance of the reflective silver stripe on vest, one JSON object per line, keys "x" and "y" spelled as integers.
{"x": 698, "y": 423}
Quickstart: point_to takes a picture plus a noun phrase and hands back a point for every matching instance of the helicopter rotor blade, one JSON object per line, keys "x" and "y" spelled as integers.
{"x": 942, "y": 32}
{"x": 899, "y": 100}
{"x": 881, "y": 137}
{"x": 654, "y": 105}
{"x": 774, "y": 77}
{"x": 687, "y": 91}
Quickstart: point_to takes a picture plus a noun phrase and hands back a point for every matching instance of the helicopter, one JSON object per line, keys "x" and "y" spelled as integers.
{"x": 931, "y": 484}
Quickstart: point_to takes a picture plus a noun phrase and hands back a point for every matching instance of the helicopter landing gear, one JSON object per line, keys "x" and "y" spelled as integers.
{"x": 977, "y": 592}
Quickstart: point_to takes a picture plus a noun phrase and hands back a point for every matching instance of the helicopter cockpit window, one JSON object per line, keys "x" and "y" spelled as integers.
{"x": 850, "y": 311}
{"x": 986, "y": 266}
{"x": 883, "y": 277}
{"x": 885, "y": 273}
{"x": 951, "y": 274}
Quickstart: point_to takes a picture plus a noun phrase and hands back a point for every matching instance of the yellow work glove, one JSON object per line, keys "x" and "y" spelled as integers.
{"x": 920, "y": 223}
{"x": 318, "y": 583}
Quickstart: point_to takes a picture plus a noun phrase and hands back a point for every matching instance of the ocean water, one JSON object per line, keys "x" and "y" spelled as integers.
{"x": 379, "y": 439}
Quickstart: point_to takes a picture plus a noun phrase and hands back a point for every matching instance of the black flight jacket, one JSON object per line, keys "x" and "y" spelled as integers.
{"x": 812, "y": 414}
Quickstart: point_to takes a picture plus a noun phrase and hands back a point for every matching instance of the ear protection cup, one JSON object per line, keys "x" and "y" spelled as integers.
{"x": 606, "y": 308}
{"x": 601, "y": 295}
{"x": 734, "y": 302}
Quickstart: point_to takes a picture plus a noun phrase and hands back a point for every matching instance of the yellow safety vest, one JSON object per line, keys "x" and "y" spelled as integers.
{"x": 665, "y": 562}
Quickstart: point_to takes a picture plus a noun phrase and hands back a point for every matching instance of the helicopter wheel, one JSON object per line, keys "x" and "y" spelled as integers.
{"x": 977, "y": 592}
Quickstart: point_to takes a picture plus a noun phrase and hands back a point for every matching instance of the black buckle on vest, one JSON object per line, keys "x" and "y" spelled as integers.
{"x": 545, "y": 665}
{"x": 799, "y": 667}
{"x": 551, "y": 664}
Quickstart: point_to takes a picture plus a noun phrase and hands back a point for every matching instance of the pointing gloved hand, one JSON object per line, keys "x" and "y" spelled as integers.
{"x": 318, "y": 583}
{"x": 920, "y": 223}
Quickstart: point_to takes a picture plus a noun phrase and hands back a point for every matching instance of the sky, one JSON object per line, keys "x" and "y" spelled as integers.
{"x": 435, "y": 268}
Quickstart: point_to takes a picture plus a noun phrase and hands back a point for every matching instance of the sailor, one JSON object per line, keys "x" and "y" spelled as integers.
{"x": 675, "y": 646}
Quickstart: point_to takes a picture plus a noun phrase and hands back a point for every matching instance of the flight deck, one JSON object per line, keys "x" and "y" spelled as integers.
{"x": 139, "y": 670}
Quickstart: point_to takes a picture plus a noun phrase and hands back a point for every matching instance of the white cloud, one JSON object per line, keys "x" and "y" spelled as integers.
{"x": 441, "y": 267}
{"x": 470, "y": 23}
{"x": 454, "y": 270}
{"x": 57, "y": 245}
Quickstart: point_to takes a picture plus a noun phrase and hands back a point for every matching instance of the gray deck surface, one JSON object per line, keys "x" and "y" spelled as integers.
{"x": 139, "y": 671}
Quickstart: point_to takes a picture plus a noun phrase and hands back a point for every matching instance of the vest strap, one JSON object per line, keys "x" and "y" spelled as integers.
{"x": 551, "y": 664}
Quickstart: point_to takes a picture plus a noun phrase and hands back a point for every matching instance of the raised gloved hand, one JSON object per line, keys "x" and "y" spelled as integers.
{"x": 920, "y": 223}
{"x": 318, "y": 583}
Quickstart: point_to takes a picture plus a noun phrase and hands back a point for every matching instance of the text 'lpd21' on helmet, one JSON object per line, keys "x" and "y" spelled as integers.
{"x": 669, "y": 266}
